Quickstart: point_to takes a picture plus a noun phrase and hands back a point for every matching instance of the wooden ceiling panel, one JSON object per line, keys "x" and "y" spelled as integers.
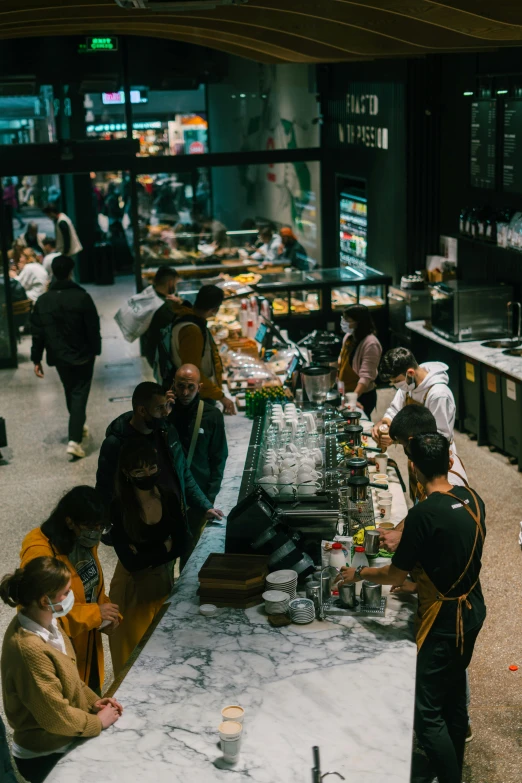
{"x": 289, "y": 31}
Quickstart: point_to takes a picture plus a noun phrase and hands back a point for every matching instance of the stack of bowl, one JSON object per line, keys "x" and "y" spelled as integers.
{"x": 276, "y": 602}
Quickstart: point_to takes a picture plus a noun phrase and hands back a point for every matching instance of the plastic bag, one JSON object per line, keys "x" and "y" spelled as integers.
{"x": 135, "y": 317}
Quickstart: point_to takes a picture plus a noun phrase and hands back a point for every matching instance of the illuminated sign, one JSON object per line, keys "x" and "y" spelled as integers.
{"x": 106, "y": 43}
{"x": 118, "y": 98}
{"x": 122, "y": 126}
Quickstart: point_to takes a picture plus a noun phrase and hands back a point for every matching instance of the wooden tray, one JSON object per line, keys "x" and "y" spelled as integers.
{"x": 240, "y": 569}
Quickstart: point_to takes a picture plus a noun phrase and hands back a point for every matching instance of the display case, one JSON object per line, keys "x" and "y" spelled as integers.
{"x": 304, "y": 300}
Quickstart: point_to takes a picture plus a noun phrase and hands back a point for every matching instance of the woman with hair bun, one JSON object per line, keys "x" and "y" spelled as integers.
{"x": 72, "y": 534}
{"x": 46, "y": 703}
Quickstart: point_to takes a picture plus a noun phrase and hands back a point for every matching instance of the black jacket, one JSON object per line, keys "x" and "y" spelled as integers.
{"x": 210, "y": 456}
{"x": 65, "y": 323}
{"x": 118, "y": 432}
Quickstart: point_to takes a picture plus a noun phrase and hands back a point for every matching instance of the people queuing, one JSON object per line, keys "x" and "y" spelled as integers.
{"x": 65, "y": 324}
{"x": 47, "y": 704}
{"x": 360, "y": 356}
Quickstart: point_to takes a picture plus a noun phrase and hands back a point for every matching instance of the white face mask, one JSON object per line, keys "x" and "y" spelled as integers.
{"x": 345, "y": 328}
{"x": 67, "y": 604}
{"x": 405, "y": 386}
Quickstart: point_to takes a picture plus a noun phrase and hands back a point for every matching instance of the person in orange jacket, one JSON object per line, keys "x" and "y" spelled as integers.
{"x": 72, "y": 534}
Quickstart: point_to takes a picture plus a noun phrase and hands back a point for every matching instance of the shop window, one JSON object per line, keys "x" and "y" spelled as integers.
{"x": 29, "y": 117}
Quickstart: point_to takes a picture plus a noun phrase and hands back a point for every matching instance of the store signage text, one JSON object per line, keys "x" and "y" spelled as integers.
{"x": 363, "y": 133}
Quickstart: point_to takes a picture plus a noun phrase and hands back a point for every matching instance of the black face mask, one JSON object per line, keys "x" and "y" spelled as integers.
{"x": 145, "y": 482}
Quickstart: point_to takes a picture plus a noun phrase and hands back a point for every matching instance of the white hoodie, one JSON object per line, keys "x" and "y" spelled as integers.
{"x": 439, "y": 399}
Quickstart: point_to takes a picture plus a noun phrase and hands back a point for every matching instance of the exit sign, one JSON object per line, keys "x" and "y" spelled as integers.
{"x": 99, "y": 43}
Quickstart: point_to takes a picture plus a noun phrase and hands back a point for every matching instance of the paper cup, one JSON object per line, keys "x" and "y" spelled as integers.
{"x": 233, "y": 712}
{"x": 382, "y": 463}
{"x": 385, "y": 509}
{"x": 380, "y": 478}
{"x": 386, "y": 525}
{"x": 230, "y": 740}
{"x": 383, "y": 494}
{"x": 350, "y": 400}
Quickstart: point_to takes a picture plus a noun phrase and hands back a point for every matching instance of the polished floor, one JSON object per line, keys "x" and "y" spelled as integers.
{"x": 36, "y": 471}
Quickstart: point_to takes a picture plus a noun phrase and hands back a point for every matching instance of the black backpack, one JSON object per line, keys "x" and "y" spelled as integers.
{"x": 164, "y": 367}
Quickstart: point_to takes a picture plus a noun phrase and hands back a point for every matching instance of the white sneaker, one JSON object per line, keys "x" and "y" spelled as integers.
{"x": 85, "y": 431}
{"x": 75, "y": 449}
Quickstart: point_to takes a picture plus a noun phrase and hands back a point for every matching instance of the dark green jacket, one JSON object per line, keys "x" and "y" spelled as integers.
{"x": 163, "y": 316}
{"x": 210, "y": 456}
{"x": 118, "y": 432}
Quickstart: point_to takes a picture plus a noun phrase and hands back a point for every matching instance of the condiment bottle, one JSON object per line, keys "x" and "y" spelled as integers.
{"x": 337, "y": 556}
{"x": 359, "y": 558}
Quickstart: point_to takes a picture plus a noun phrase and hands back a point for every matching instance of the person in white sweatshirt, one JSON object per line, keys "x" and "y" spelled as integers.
{"x": 422, "y": 384}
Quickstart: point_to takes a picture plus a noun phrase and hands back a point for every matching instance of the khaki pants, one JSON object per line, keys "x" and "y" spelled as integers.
{"x": 140, "y": 596}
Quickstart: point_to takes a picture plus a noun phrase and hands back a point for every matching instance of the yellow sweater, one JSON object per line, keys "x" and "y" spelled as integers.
{"x": 46, "y": 703}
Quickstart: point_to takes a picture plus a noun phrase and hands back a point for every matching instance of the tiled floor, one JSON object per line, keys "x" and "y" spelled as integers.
{"x": 38, "y": 472}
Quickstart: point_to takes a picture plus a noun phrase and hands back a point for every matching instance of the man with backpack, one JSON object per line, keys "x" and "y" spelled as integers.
{"x": 187, "y": 340}
{"x": 164, "y": 283}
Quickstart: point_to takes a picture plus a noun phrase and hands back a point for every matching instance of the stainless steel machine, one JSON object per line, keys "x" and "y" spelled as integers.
{"x": 470, "y": 311}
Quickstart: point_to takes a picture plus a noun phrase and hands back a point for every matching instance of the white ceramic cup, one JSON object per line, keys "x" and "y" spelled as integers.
{"x": 309, "y": 421}
{"x": 308, "y": 487}
{"x": 233, "y": 712}
{"x": 350, "y": 400}
{"x": 307, "y": 474}
{"x": 382, "y": 463}
{"x": 286, "y": 477}
{"x": 292, "y": 448}
{"x": 269, "y": 469}
{"x": 318, "y": 456}
{"x": 385, "y": 510}
{"x": 289, "y": 462}
{"x": 287, "y": 490}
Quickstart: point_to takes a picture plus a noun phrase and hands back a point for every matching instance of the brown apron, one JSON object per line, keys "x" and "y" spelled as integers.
{"x": 431, "y": 599}
{"x": 346, "y": 372}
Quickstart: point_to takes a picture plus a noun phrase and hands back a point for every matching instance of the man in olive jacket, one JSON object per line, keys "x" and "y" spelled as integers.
{"x": 65, "y": 324}
{"x": 201, "y": 430}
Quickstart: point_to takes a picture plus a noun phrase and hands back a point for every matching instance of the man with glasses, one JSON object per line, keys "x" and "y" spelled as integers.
{"x": 201, "y": 430}
{"x": 148, "y": 419}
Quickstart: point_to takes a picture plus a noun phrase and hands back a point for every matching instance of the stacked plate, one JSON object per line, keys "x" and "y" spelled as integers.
{"x": 276, "y": 601}
{"x": 285, "y": 580}
{"x": 302, "y": 611}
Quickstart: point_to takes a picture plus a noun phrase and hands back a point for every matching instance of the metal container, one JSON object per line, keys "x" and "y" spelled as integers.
{"x": 358, "y": 466}
{"x": 347, "y": 595}
{"x": 353, "y": 434}
{"x": 371, "y": 594}
{"x": 358, "y": 488}
{"x": 326, "y": 579}
{"x": 372, "y": 542}
{"x": 313, "y": 592}
{"x": 351, "y": 417}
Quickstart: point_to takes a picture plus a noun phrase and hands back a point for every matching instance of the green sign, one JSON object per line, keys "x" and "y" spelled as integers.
{"x": 99, "y": 43}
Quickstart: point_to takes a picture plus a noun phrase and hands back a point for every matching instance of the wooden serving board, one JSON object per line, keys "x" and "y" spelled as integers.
{"x": 243, "y": 569}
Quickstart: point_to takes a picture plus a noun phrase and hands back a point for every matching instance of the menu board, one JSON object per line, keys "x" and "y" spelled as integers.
{"x": 483, "y": 143}
{"x": 512, "y": 160}
{"x": 353, "y": 219}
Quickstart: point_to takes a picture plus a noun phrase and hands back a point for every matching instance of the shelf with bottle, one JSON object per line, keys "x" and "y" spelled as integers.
{"x": 495, "y": 227}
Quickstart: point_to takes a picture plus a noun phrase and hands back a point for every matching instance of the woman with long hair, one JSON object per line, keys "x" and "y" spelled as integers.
{"x": 72, "y": 534}
{"x": 46, "y": 703}
{"x": 360, "y": 356}
{"x": 149, "y": 532}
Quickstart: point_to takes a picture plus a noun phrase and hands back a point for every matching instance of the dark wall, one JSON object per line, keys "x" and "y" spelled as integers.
{"x": 459, "y": 74}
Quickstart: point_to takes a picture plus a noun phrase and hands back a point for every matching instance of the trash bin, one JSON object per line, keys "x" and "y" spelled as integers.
{"x": 492, "y": 391}
{"x": 103, "y": 263}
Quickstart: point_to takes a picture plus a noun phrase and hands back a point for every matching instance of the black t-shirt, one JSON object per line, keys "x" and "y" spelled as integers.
{"x": 438, "y": 535}
{"x": 168, "y": 478}
{"x": 82, "y": 559}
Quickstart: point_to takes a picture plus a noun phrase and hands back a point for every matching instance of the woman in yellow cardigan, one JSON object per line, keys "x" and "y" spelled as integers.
{"x": 72, "y": 534}
{"x": 46, "y": 703}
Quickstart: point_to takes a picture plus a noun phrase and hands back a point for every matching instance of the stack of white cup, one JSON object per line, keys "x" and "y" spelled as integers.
{"x": 230, "y": 732}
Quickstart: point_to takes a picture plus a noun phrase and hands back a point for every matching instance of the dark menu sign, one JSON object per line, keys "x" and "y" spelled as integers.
{"x": 512, "y": 161}
{"x": 483, "y": 143}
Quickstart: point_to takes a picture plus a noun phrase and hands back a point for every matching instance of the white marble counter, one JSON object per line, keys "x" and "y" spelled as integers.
{"x": 491, "y": 357}
{"x": 346, "y": 684}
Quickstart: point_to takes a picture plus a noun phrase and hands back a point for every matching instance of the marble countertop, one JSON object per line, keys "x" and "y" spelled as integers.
{"x": 346, "y": 685}
{"x": 492, "y": 357}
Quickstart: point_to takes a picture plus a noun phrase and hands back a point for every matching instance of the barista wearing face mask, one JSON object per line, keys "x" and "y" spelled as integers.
{"x": 360, "y": 356}
{"x": 149, "y": 532}
{"x": 417, "y": 384}
{"x": 46, "y": 703}
{"x": 72, "y": 534}
{"x": 148, "y": 422}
